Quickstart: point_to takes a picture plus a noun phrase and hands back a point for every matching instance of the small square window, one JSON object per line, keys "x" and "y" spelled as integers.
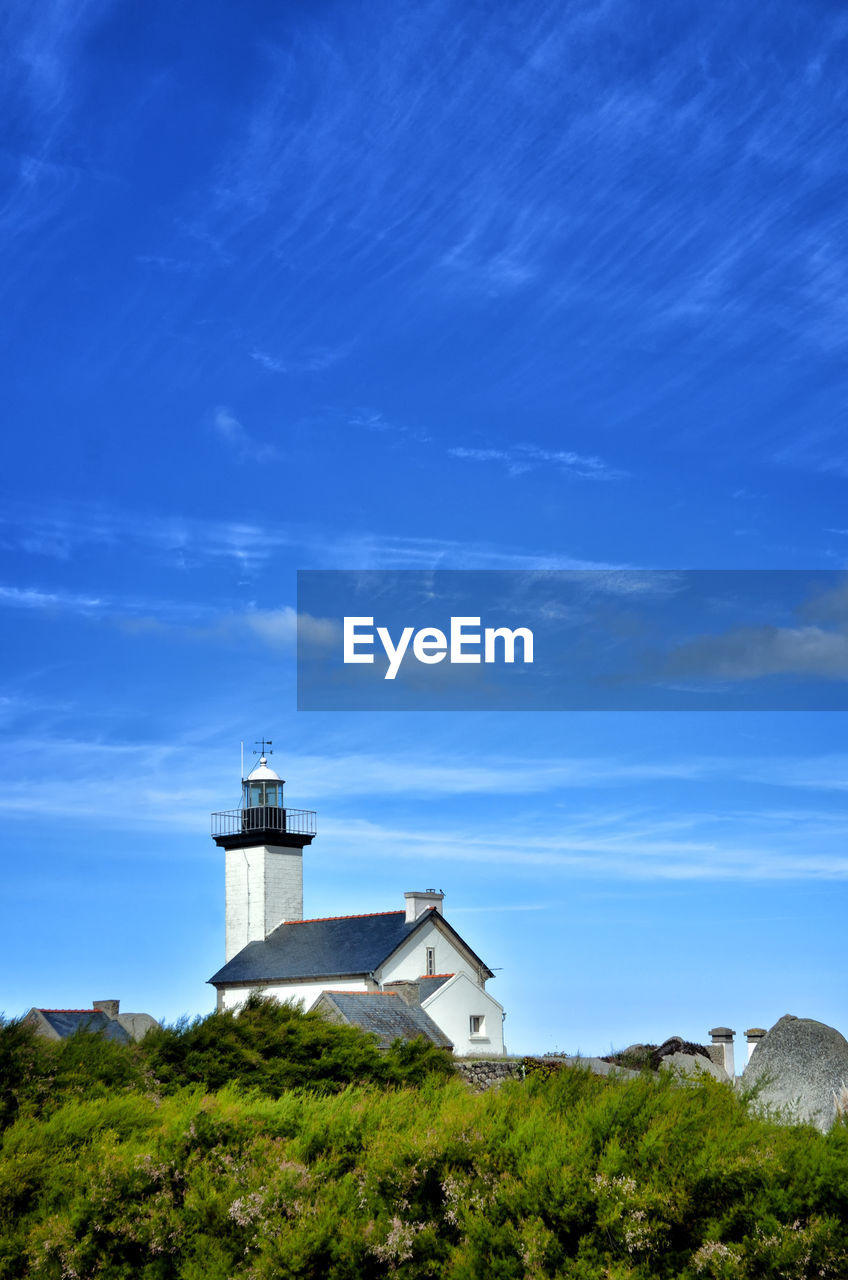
{"x": 431, "y": 961}
{"x": 477, "y": 1024}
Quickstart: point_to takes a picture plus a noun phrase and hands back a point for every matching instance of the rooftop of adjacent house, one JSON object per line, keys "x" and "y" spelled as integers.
{"x": 331, "y": 946}
{"x": 67, "y": 1021}
{"x": 385, "y": 1015}
{"x": 104, "y": 1017}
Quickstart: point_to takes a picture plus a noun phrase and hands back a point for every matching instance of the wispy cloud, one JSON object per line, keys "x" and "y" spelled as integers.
{"x": 596, "y": 839}
{"x": 635, "y": 850}
{"x": 374, "y": 420}
{"x": 313, "y": 360}
{"x": 814, "y": 643}
{"x": 43, "y": 43}
{"x": 161, "y": 262}
{"x": 232, "y": 431}
{"x": 32, "y": 598}
{"x": 749, "y": 653}
{"x": 40, "y": 88}
{"x": 274, "y": 628}
{"x": 521, "y": 458}
{"x": 656, "y": 190}
{"x": 185, "y": 541}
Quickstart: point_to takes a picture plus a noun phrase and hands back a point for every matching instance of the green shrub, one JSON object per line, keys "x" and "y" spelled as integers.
{"x": 273, "y": 1046}
{"x": 573, "y": 1176}
{"x": 20, "y": 1065}
{"x": 267, "y": 1046}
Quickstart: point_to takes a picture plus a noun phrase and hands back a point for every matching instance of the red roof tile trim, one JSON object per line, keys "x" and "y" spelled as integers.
{"x": 40, "y": 1010}
{"x": 363, "y": 915}
{"x": 434, "y": 975}
{"x": 333, "y": 992}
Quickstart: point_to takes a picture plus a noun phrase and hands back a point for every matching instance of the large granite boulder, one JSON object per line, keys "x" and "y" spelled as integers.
{"x": 692, "y": 1065}
{"x": 800, "y": 1067}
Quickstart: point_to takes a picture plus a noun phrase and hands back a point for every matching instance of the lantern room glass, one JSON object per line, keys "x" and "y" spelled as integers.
{"x": 260, "y": 795}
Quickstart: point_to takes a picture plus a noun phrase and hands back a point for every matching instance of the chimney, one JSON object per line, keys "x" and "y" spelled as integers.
{"x": 420, "y": 900}
{"x": 109, "y": 1007}
{"x": 407, "y": 988}
{"x": 724, "y": 1037}
{"x": 754, "y": 1035}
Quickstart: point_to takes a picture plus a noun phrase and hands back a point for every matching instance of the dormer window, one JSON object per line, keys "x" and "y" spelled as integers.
{"x": 430, "y": 968}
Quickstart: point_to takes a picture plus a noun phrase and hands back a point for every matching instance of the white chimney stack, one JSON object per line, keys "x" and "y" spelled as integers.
{"x": 754, "y": 1035}
{"x": 724, "y": 1037}
{"x": 420, "y": 900}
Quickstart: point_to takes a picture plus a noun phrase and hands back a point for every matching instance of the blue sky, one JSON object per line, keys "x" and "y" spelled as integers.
{"x": 448, "y": 285}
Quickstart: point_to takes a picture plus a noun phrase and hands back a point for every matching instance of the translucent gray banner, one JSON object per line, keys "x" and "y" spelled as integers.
{"x": 484, "y": 640}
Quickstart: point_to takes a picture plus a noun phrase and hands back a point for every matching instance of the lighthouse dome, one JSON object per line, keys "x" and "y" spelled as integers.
{"x": 263, "y": 773}
{"x": 263, "y": 787}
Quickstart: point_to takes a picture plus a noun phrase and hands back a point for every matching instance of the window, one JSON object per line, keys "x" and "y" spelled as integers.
{"x": 478, "y": 1026}
{"x": 431, "y": 961}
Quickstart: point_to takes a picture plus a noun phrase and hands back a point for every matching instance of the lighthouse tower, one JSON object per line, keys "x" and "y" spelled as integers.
{"x": 264, "y": 843}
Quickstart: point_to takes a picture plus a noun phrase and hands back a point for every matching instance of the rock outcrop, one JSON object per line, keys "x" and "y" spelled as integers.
{"x": 801, "y": 1068}
{"x": 692, "y": 1064}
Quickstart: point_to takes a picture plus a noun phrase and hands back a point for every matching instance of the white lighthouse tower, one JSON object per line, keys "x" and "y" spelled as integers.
{"x": 264, "y": 843}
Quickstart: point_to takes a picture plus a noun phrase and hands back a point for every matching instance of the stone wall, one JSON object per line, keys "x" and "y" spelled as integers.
{"x": 489, "y": 1073}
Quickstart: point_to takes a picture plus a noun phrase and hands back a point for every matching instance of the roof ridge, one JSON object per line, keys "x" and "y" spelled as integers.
{"x": 360, "y": 915}
{"x": 39, "y": 1009}
{"x": 421, "y": 976}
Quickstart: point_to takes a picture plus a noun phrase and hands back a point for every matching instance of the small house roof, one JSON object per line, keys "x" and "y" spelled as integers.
{"x": 385, "y": 1015}
{"x": 430, "y": 983}
{"x": 67, "y": 1021}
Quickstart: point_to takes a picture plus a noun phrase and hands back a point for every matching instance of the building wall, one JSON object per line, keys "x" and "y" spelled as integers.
{"x": 264, "y": 887}
{"x": 410, "y": 960}
{"x": 35, "y": 1018}
{"x": 451, "y": 1008}
{"x": 308, "y": 991}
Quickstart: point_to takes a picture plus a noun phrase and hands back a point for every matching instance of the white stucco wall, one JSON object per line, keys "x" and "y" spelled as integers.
{"x": 451, "y": 1008}
{"x": 410, "y": 960}
{"x": 264, "y": 887}
{"x": 308, "y": 992}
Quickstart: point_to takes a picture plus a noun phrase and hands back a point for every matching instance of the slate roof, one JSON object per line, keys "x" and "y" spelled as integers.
{"x": 428, "y": 984}
{"x": 386, "y": 1015}
{"x": 334, "y": 947}
{"x": 66, "y": 1021}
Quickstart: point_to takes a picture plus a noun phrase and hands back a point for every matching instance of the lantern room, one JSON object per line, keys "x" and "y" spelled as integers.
{"x": 263, "y": 788}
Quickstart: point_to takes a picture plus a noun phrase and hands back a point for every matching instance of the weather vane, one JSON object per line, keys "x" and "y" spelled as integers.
{"x": 263, "y": 744}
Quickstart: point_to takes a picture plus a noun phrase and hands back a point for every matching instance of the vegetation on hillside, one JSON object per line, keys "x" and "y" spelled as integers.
{"x": 268, "y": 1047}
{"x": 145, "y": 1163}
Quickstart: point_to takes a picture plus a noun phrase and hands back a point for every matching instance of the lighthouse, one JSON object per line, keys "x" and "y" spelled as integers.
{"x": 263, "y": 843}
{"x": 404, "y": 973}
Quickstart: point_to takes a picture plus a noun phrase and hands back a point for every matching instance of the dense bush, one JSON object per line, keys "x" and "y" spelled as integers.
{"x": 570, "y": 1176}
{"x": 37, "y": 1075}
{"x": 268, "y": 1047}
{"x": 272, "y": 1047}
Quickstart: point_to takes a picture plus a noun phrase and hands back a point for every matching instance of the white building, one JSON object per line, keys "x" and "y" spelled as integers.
{"x": 412, "y": 955}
